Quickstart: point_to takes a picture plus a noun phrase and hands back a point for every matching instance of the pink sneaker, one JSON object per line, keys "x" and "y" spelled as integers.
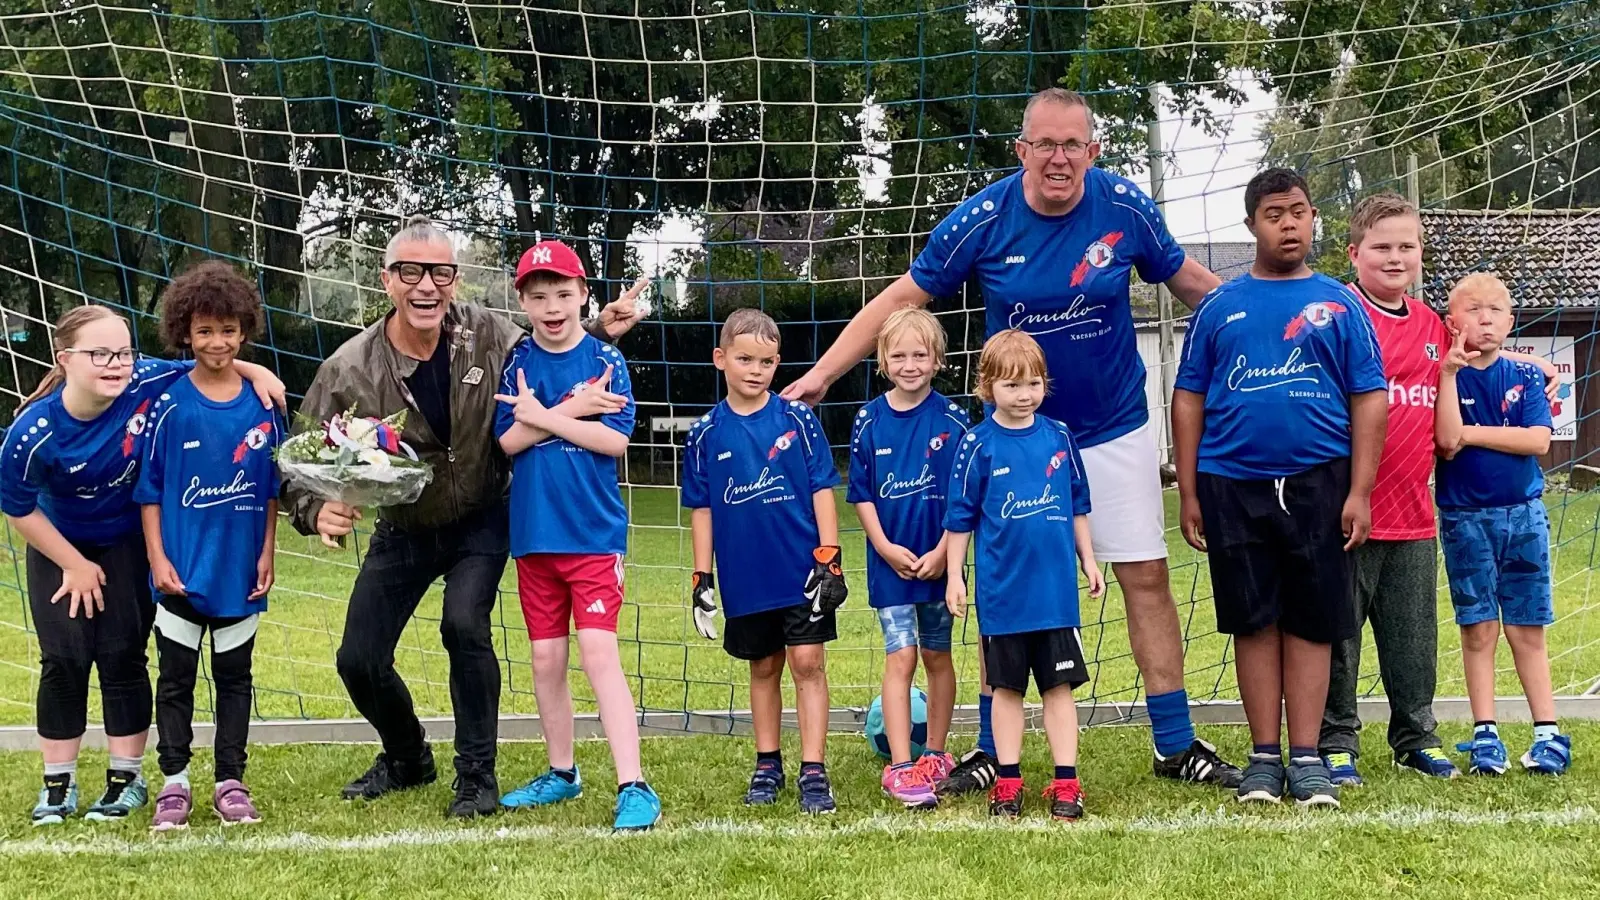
{"x": 910, "y": 786}
{"x": 172, "y": 809}
{"x": 232, "y": 803}
{"x": 938, "y": 764}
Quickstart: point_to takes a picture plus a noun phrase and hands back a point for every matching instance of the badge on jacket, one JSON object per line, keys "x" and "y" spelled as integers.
{"x": 473, "y": 376}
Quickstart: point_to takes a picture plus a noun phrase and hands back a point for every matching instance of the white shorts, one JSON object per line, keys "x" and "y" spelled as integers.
{"x": 1128, "y": 520}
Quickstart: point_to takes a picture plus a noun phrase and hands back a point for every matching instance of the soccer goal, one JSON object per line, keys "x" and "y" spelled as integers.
{"x": 792, "y": 157}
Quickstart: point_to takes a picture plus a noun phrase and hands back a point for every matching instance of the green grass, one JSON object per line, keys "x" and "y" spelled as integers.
{"x": 676, "y": 669}
{"x": 1399, "y": 836}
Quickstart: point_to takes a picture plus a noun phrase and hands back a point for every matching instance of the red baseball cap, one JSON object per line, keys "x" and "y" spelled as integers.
{"x": 549, "y": 256}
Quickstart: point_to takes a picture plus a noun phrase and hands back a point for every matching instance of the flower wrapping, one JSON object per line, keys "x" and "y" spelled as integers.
{"x": 354, "y": 459}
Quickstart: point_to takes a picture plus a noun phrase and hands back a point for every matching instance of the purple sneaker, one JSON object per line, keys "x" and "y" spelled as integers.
{"x": 172, "y": 809}
{"x": 232, "y": 803}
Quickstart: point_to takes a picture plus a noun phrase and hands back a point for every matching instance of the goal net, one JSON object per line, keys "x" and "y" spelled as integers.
{"x": 764, "y": 154}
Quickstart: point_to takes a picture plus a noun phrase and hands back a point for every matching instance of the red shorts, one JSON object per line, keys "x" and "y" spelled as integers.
{"x": 583, "y": 587}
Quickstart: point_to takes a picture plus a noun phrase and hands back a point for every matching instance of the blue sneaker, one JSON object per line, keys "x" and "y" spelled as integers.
{"x": 1342, "y": 769}
{"x": 638, "y": 808}
{"x": 58, "y": 800}
{"x": 1488, "y": 754}
{"x": 1430, "y": 761}
{"x": 765, "y": 784}
{"x": 1551, "y": 757}
{"x": 125, "y": 792}
{"x": 543, "y": 791}
{"x": 816, "y": 793}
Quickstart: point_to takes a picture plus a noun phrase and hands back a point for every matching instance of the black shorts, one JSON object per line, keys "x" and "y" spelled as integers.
{"x": 1277, "y": 554}
{"x": 130, "y": 609}
{"x": 760, "y": 635}
{"x": 1054, "y": 656}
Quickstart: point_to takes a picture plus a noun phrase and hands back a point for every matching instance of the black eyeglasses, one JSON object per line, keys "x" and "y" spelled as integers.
{"x": 1046, "y": 149}
{"x": 411, "y": 272}
{"x": 102, "y": 357}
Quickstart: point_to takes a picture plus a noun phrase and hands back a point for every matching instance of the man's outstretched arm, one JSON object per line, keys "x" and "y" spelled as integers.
{"x": 857, "y": 340}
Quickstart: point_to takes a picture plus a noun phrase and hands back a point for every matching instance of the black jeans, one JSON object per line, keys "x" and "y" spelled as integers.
{"x": 180, "y": 629}
{"x": 470, "y": 555}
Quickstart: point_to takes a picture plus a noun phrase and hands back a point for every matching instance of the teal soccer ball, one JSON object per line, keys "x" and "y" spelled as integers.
{"x": 919, "y": 725}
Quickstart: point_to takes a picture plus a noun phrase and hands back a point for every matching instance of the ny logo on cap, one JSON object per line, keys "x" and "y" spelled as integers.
{"x": 541, "y": 256}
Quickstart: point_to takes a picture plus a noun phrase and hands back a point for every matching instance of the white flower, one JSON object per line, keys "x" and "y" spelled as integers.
{"x": 363, "y": 432}
{"x": 373, "y": 457}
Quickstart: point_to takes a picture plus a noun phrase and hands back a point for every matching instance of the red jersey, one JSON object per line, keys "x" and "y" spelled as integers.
{"x": 1412, "y": 344}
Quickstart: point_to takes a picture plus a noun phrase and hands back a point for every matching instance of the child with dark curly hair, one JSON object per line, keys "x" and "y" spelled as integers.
{"x": 209, "y": 492}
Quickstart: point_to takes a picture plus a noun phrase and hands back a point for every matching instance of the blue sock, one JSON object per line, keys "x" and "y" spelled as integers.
{"x": 1169, "y": 722}
{"x": 1065, "y": 772}
{"x": 986, "y": 724}
{"x": 1545, "y": 731}
{"x": 1273, "y": 750}
{"x": 1298, "y": 753}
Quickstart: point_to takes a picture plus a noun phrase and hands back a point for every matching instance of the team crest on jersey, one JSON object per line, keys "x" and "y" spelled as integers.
{"x": 1055, "y": 462}
{"x": 1098, "y": 256}
{"x": 784, "y": 442}
{"x": 1432, "y": 352}
{"x": 135, "y": 427}
{"x": 937, "y": 442}
{"x": 579, "y": 388}
{"x": 1512, "y": 396}
{"x": 1315, "y": 315}
{"x": 254, "y": 439}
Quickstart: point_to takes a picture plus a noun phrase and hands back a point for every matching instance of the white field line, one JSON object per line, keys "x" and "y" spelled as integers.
{"x": 1222, "y": 818}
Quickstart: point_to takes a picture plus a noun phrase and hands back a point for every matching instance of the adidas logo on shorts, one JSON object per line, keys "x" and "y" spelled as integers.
{"x": 598, "y": 607}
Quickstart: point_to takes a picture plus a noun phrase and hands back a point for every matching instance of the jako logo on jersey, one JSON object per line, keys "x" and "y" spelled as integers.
{"x": 1512, "y": 396}
{"x": 884, "y": 451}
{"x": 135, "y": 427}
{"x": 937, "y": 442}
{"x": 724, "y": 455}
{"x": 781, "y": 444}
{"x": 1099, "y": 255}
{"x": 1234, "y": 317}
{"x": 1015, "y": 260}
{"x": 1055, "y": 463}
{"x": 254, "y": 439}
{"x": 1316, "y": 315}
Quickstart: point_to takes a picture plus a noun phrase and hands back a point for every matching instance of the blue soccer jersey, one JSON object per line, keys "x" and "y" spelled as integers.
{"x": 757, "y": 474}
{"x": 564, "y": 498}
{"x": 1019, "y": 489}
{"x": 1277, "y": 361}
{"x": 81, "y": 474}
{"x": 1064, "y": 280}
{"x": 1504, "y": 393}
{"x": 900, "y": 463}
{"x": 209, "y": 467}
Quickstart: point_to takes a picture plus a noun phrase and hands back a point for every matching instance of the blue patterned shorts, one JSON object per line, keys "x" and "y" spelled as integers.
{"x": 928, "y": 624}
{"x": 1498, "y": 560}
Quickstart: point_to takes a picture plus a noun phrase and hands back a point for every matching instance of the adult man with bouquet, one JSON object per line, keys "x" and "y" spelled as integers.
{"x": 440, "y": 361}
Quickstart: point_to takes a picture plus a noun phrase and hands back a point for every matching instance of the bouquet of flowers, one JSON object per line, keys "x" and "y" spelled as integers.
{"x": 356, "y": 460}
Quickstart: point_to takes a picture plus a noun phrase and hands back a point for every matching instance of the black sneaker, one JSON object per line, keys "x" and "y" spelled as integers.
{"x": 477, "y": 794}
{"x": 1005, "y": 798}
{"x": 388, "y": 775}
{"x": 975, "y": 773}
{"x": 1199, "y": 764}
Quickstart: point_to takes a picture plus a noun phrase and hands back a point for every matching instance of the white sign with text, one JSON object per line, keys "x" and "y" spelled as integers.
{"x": 1564, "y": 409}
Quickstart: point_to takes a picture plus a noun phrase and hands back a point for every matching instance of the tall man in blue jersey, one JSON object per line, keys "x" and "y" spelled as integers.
{"x": 1053, "y": 247}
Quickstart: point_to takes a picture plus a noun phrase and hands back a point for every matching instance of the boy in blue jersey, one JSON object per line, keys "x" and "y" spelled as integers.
{"x": 1492, "y": 425}
{"x": 209, "y": 491}
{"x": 569, "y": 527}
{"x": 900, "y": 454}
{"x": 759, "y": 477}
{"x": 1018, "y": 482}
{"x": 1278, "y": 424}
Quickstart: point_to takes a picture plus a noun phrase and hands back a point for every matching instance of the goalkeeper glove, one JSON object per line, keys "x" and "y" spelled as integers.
{"x": 825, "y": 587}
{"x": 702, "y": 591}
